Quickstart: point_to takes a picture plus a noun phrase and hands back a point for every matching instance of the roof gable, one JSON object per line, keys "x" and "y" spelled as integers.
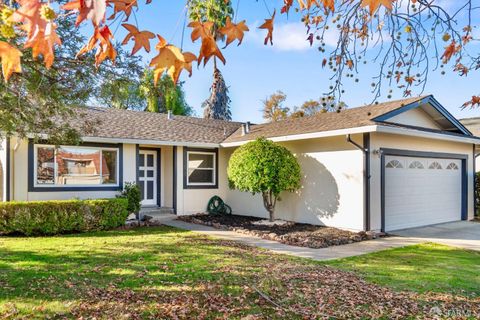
{"x": 425, "y": 113}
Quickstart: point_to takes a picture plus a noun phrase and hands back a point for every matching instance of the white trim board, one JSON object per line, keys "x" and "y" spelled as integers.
{"x": 365, "y": 129}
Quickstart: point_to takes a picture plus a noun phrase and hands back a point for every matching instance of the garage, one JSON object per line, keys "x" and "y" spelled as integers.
{"x": 420, "y": 191}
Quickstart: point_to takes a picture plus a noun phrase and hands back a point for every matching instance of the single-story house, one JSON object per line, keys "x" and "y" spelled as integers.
{"x": 473, "y": 125}
{"x": 386, "y": 166}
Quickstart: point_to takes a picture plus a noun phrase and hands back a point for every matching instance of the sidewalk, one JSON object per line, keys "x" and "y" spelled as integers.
{"x": 334, "y": 252}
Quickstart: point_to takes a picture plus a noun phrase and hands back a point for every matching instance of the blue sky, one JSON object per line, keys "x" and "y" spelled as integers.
{"x": 254, "y": 71}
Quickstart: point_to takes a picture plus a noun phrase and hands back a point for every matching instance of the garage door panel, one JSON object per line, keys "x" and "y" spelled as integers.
{"x": 420, "y": 191}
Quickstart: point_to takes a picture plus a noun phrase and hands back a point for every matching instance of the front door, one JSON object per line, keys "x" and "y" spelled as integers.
{"x": 147, "y": 177}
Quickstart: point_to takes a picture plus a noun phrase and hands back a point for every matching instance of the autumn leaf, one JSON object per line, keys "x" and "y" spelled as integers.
{"x": 409, "y": 79}
{"x": 41, "y": 34}
{"x": 141, "y": 38}
{"x": 475, "y": 101}
{"x": 287, "y": 4}
{"x": 350, "y": 64}
{"x": 209, "y": 49}
{"x": 375, "y": 4}
{"x": 233, "y": 31}
{"x": 307, "y": 4}
{"x": 10, "y": 59}
{"x": 93, "y": 10}
{"x": 172, "y": 60}
{"x": 329, "y": 5}
{"x": 450, "y": 51}
{"x": 28, "y": 14}
{"x": 43, "y": 43}
{"x": 209, "y": 46}
{"x": 268, "y": 25}
{"x": 102, "y": 36}
{"x": 200, "y": 30}
{"x": 124, "y": 6}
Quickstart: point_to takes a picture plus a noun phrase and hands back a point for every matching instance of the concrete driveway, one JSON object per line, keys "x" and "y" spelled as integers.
{"x": 462, "y": 234}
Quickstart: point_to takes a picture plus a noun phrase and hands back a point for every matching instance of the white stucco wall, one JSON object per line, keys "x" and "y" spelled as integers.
{"x": 3, "y": 167}
{"x": 382, "y": 140}
{"x": 415, "y": 117}
{"x": 191, "y": 201}
{"x": 332, "y": 186}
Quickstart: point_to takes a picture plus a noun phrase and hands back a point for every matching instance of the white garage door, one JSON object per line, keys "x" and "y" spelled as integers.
{"x": 421, "y": 191}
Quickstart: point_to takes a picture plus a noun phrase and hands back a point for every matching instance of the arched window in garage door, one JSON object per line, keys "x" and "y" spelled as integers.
{"x": 416, "y": 165}
{"x": 452, "y": 166}
{"x": 435, "y": 165}
{"x": 394, "y": 164}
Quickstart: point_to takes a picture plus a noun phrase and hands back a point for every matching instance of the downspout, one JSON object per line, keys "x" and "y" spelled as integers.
{"x": 475, "y": 156}
{"x": 366, "y": 179}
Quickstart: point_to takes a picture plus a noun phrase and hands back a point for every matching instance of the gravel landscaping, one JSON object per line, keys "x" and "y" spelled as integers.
{"x": 296, "y": 234}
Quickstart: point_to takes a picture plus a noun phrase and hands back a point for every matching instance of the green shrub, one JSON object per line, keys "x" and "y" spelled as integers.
{"x": 131, "y": 192}
{"x": 264, "y": 167}
{"x": 57, "y": 217}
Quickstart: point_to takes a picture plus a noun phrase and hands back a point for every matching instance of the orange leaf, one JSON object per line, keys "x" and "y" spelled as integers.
{"x": 474, "y": 102}
{"x": 200, "y": 30}
{"x": 93, "y": 10}
{"x": 172, "y": 60}
{"x": 41, "y": 34}
{"x": 233, "y": 31}
{"x": 450, "y": 50}
{"x": 268, "y": 25}
{"x": 209, "y": 46}
{"x": 43, "y": 43}
{"x": 10, "y": 59}
{"x": 209, "y": 49}
{"x": 306, "y": 4}
{"x": 103, "y": 37}
{"x": 375, "y": 4}
{"x": 141, "y": 38}
{"x": 29, "y": 15}
{"x": 124, "y": 6}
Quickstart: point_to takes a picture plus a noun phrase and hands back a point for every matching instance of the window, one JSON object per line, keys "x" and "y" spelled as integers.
{"x": 416, "y": 165}
{"x": 200, "y": 169}
{"x": 75, "y": 166}
{"x": 435, "y": 165}
{"x": 394, "y": 164}
{"x": 452, "y": 166}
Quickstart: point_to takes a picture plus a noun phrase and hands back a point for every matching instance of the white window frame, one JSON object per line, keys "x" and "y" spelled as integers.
{"x": 55, "y": 169}
{"x": 214, "y": 169}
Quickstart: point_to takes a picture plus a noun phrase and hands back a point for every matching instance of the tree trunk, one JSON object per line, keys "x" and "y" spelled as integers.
{"x": 269, "y": 201}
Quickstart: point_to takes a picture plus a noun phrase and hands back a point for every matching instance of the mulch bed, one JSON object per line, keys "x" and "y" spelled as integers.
{"x": 295, "y": 234}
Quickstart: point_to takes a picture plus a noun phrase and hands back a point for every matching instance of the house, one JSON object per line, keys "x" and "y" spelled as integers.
{"x": 473, "y": 125}
{"x": 386, "y": 166}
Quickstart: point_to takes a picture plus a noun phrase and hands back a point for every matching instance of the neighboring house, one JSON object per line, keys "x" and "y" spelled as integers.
{"x": 473, "y": 125}
{"x": 388, "y": 166}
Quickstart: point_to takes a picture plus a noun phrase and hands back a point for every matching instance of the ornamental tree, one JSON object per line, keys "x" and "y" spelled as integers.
{"x": 262, "y": 166}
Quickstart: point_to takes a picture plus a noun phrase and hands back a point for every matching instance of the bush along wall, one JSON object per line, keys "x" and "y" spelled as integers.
{"x": 57, "y": 217}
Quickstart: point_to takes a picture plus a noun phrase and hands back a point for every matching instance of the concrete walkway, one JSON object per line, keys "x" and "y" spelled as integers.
{"x": 335, "y": 252}
{"x": 462, "y": 234}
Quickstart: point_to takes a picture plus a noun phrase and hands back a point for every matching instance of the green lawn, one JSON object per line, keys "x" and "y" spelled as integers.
{"x": 421, "y": 268}
{"x": 162, "y": 273}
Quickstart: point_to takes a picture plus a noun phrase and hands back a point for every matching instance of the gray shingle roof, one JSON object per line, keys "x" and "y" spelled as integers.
{"x": 349, "y": 118}
{"x": 127, "y": 124}
{"x": 138, "y": 125}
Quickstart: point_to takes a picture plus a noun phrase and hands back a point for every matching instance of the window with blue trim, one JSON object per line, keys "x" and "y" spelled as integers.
{"x": 75, "y": 166}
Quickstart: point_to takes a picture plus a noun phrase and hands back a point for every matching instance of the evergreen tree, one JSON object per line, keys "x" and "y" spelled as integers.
{"x": 217, "y": 106}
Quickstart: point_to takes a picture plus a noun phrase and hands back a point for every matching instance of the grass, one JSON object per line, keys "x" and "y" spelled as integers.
{"x": 162, "y": 272}
{"x": 422, "y": 268}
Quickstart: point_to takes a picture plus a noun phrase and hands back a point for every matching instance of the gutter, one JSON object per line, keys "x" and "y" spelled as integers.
{"x": 366, "y": 176}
